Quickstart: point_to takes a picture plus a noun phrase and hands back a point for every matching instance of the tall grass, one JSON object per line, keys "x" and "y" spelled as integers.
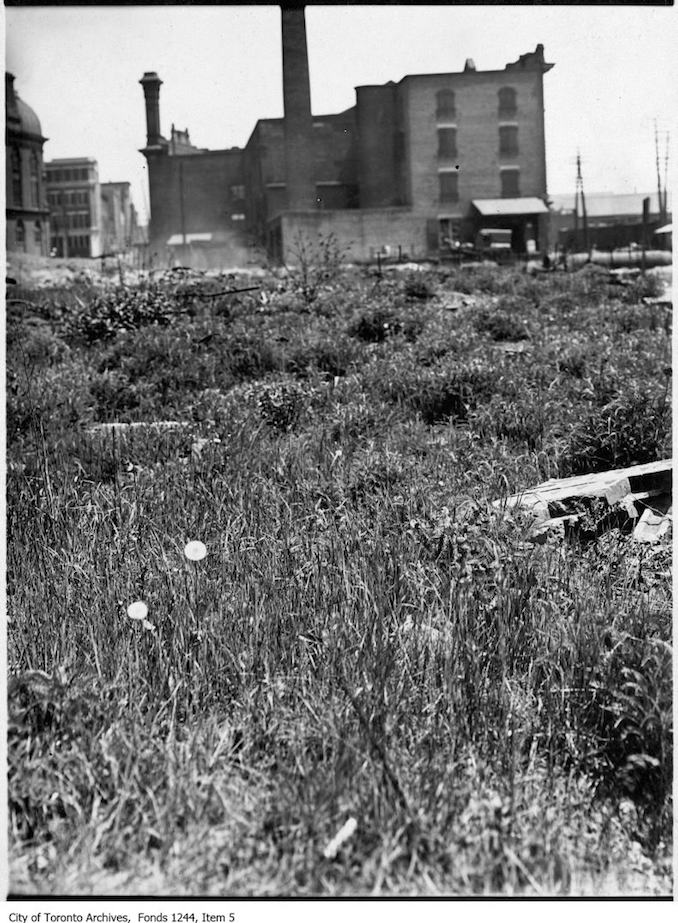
{"x": 367, "y": 636}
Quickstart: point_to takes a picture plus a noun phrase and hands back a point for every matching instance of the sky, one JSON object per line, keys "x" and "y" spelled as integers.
{"x": 221, "y": 68}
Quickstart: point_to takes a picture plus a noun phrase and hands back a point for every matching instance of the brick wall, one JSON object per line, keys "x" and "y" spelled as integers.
{"x": 377, "y": 120}
{"x": 477, "y": 122}
{"x": 359, "y": 233}
{"x": 208, "y": 202}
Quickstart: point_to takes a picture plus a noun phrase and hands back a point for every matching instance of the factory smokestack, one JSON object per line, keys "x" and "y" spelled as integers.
{"x": 151, "y": 84}
{"x": 299, "y": 161}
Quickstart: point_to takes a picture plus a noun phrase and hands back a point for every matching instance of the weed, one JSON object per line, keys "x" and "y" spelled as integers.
{"x": 315, "y": 264}
{"x": 366, "y": 636}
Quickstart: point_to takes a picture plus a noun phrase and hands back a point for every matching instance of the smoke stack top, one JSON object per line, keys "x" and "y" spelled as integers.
{"x": 151, "y": 84}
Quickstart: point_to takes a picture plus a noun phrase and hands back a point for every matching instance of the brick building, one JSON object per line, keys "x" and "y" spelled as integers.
{"x": 414, "y": 166}
{"x": 26, "y": 211}
{"x": 74, "y": 196}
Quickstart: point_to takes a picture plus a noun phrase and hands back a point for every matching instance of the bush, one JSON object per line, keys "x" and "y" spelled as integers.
{"x": 631, "y": 430}
{"x": 417, "y": 289}
{"x": 121, "y": 309}
{"x": 281, "y": 403}
{"x": 316, "y": 264}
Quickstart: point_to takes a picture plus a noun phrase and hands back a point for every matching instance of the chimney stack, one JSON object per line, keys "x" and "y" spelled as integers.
{"x": 10, "y": 97}
{"x": 299, "y": 160}
{"x": 151, "y": 84}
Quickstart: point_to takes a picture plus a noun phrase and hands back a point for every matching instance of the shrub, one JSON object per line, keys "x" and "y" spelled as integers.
{"x": 630, "y": 430}
{"x": 121, "y": 309}
{"x": 281, "y": 403}
{"x": 316, "y": 264}
{"x": 417, "y": 289}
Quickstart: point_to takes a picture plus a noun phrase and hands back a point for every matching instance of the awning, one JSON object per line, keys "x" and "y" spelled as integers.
{"x": 667, "y": 229}
{"x": 530, "y": 205}
{"x": 177, "y": 240}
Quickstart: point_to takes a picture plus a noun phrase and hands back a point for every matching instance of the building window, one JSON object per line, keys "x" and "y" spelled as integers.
{"x": 38, "y": 233}
{"x": 447, "y": 143}
{"x": 448, "y": 186}
{"x": 508, "y": 140}
{"x": 445, "y": 105}
{"x": 35, "y": 179}
{"x": 79, "y": 219}
{"x": 507, "y": 102}
{"x": 20, "y": 233}
{"x": 237, "y": 192}
{"x": 17, "y": 192}
{"x": 510, "y": 183}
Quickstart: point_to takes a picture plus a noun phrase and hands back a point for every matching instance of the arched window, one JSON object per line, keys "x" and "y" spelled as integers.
{"x": 17, "y": 190}
{"x": 507, "y": 102}
{"x": 35, "y": 180}
{"x": 446, "y": 107}
{"x": 38, "y": 233}
{"x": 21, "y": 234}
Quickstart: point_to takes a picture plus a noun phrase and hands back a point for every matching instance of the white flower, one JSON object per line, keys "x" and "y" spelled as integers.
{"x": 195, "y": 551}
{"x": 149, "y": 626}
{"x": 137, "y": 610}
{"x": 346, "y": 831}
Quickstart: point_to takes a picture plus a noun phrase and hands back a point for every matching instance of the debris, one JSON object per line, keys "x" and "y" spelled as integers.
{"x": 639, "y": 496}
{"x": 513, "y": 347}
{"x": 103, "y": 429}
{"x": 342, "y": 835}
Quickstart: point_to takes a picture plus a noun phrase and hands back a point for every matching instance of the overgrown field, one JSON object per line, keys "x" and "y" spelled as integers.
{"x": 367, "y": 637}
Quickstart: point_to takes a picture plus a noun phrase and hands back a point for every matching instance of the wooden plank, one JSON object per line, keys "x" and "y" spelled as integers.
{"x": 643, "y": 491}
{"x": 610, "y": 485}
{"x": 653, "y": 524}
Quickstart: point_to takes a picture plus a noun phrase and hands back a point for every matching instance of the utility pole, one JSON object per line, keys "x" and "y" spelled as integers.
{"x": 580, "y": 193}
{"x": 664, "y": 206}
{"x": 181, "y": 203}
{"x": 662, "y": 201}
{"x": 660, "y": 198}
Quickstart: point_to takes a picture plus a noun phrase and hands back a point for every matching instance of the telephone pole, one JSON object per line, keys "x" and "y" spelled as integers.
{"x": 579, "y": 193}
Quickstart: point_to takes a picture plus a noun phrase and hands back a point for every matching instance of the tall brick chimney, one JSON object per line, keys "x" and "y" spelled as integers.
{"x": 151, "y": 84}
{"x": 299, "y": 161}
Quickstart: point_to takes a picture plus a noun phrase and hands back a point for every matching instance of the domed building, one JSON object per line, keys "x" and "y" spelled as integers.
{"x": 27, "y": 214}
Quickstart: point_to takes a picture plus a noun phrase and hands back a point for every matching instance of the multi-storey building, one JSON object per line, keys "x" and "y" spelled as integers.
{"x": 118, "y": 218}
{"x": 414, "y": 166}
{"x": 26, "y": 211}
{"x": 74, "y": 197}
